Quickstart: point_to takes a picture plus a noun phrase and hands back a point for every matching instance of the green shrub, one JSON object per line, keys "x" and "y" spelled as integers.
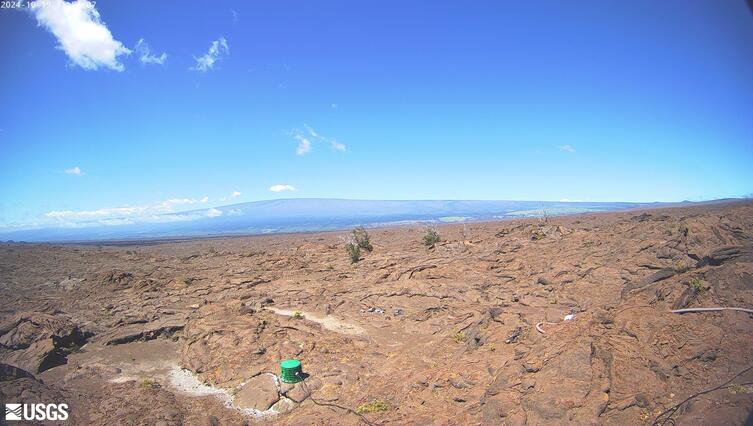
{"x": 696, "y": 285}
{"x": 354, "y": 251}
{"x": 362, "y": 239}
{"x": 149, "y": 384}
{"x": 431, "y": 237}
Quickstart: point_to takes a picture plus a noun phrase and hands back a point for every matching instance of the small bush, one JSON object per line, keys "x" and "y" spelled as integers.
{"x": 696, "y": 285}
{"x": 362, "y": 238}
{"x": 431, "y": 237}
{"x": 374, "y": 406}
{"x": 149, "y": 384}
{"x": 354, "y": 251}
{"x": 537, "y": 234}
{"x": 737, "y": 388}
{"x": 459, "y": 337}
{"x": 297, "y": 315}
{"x": 183, "y": 280}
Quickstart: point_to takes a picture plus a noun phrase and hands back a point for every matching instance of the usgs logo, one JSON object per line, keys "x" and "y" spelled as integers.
{"x": 37, "y": 412}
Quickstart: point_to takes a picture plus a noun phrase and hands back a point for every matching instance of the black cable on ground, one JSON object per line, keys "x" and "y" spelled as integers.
{"x": 307, "y": 390}
{"x": 672, "y": 410}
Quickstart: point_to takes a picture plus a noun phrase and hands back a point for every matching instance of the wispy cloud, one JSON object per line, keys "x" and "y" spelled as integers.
{"x": 146, "y": 57}
{"x": 304, "y": 144}
{"x": 217, "y": 50}
{"x": 80, "y": 32}
{"x": 180, "y": 202}
{"x": 337, "y": 146}
{"x": 73, "y": 171}
{"x": 233, "y": 194}
{"x": 214, "y": 213}
{"x": 309, "y": 136}
{"x": 281, "y": 188}
{"x": 567, "y": 148}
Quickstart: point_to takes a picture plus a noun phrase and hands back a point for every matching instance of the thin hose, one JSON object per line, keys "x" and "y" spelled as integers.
{"x": 541, "y": 330}
{"x": 307, "y": 390}
{"x": 684, "y": 311}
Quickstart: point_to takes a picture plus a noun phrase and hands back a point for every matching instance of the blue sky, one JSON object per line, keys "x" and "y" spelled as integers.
{"x": 587, "y": 100}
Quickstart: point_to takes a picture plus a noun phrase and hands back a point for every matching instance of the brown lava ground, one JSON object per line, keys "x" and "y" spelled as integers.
{"x": 410, "y": 334}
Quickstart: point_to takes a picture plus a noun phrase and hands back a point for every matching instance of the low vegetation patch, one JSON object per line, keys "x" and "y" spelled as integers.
{"x": 362, "y": 239}
{"x": 696, "y": 285}
{"x": 374, "y": 406}
{"x": 149, "y": 384}
{"x": 353, "y": 250}
{"x": 183, "y": 280}
{"x": 431, "y": 237}
{"x": 537, "y": 234}
{"x": 459, "y": 337}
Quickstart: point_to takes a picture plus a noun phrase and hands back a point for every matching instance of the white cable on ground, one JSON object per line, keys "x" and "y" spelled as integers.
{"x": 538, "y": 326}
{"x": 684, "y": 311}
{"x": 568, "y": 317}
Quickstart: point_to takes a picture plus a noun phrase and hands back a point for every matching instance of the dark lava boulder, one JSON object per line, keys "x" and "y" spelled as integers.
{"x": 36, "y": 341}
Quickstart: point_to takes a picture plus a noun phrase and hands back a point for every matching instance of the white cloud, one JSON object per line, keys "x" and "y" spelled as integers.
{"x": 145, "y": 54}
{"x": 567, "y": 148}
{"x": 115, "y": 222}
{"x": 178, "y": 202}
{"x": 281, "y": 187}
{"x": 73, "y": 171}
{"x": 336, "y": 145}
{"x": 233, "y": 194}
{"x": 81, "y": 33}
{"x": 159, "y": 212}
{"x": 306, "y": 139}
{"x": 304, "y": 144}
{"x": 217, "y": 49}
{"x": 204, "y": 200}
{"x": 99, "y": 213}
{"x": 311, "y": 131}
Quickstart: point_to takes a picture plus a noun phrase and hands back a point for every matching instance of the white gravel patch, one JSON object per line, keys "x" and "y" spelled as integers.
{"x": 184, "y": 381}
